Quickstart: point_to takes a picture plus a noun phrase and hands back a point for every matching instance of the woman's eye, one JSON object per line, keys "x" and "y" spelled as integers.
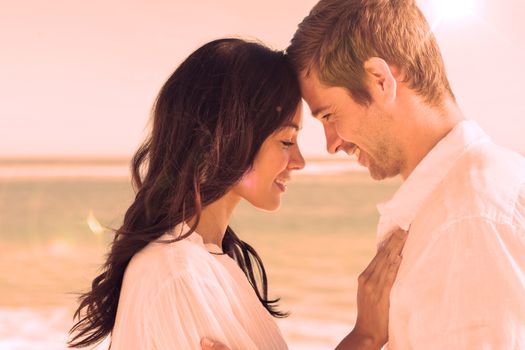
{"x": 287, "y": 143}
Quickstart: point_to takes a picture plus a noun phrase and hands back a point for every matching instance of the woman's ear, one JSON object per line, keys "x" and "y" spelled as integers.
{"x": 381, "y": 81}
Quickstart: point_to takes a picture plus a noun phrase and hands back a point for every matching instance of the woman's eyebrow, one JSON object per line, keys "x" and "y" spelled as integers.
{"x": 291, "y": 125}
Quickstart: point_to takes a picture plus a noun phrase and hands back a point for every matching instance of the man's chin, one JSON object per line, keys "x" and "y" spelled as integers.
{"x": 376, "y": 176}
{"x": 379, "y": 174}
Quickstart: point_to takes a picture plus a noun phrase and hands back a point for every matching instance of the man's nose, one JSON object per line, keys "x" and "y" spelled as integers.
{"x": 333, "y": 141}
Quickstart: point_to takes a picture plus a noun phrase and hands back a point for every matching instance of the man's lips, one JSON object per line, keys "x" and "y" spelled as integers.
{"x": 353, "y": 150}
{"x": 350, "y": 148}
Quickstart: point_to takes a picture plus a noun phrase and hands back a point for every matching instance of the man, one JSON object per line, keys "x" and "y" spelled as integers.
{"x": 372, "y": 73}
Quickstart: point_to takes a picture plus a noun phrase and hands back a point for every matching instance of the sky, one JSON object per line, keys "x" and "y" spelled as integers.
{"x": 78, "y": 78}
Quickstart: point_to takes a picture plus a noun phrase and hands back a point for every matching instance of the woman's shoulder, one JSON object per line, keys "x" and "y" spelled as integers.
{"x": 167, "y": 258}
{"x": 160, "y": 277}
{"x": 173, "y": 264}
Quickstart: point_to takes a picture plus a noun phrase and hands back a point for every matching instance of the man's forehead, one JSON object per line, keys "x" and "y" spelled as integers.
{"x": 316, "y": 100}
{"x": 311, "y": 91}
{"x": 309, "y": 77}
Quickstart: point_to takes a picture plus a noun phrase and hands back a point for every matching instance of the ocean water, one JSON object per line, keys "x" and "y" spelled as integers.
{"x": 52, "y": 241}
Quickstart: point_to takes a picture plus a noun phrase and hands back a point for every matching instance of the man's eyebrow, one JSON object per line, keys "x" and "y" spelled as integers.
{"x": 318, "y": 111}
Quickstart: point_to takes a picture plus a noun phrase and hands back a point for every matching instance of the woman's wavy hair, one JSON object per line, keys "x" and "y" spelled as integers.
{"x": 209, "y": 121}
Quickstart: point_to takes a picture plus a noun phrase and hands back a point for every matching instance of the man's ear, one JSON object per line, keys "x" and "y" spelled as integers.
{"x": 381, "y": 81}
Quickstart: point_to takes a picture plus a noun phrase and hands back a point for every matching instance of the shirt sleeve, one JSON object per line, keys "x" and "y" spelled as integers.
{"x": 470, "y": 288}
{"x": 188, "y": 308}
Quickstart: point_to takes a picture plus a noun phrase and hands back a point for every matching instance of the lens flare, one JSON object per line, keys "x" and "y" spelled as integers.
{"x": 94, "y": 224}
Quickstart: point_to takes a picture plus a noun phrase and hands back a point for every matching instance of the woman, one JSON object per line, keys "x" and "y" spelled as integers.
{"x": 225, "y": 128}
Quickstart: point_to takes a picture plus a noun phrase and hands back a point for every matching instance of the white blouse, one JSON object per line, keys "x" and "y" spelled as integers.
{"x": 174, "y": 294}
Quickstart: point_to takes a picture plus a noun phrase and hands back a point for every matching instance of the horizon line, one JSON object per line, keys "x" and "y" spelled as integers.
{"x": 113, "y": 159}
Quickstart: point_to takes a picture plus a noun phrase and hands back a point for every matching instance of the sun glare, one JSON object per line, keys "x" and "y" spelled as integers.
{"x": 454, "y": 9}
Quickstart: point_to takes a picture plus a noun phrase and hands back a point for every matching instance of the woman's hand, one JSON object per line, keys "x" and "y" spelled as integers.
{"x": 373, "y": 296}
{"x": 373, "y": 299}
{"x": 208, "y": 344}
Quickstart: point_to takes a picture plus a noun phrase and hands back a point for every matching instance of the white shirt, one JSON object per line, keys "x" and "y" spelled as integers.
{"x": 175, "y": 294}
{"x": 461, "y": 284}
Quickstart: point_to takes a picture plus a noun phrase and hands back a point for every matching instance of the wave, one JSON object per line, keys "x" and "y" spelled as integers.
{"x": 19, "y": 171}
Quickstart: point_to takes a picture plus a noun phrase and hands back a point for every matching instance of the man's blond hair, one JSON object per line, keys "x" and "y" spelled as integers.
{"x": 339, "y": 36}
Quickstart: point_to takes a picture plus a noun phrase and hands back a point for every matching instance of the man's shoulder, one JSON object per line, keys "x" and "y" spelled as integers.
{"x": 486, "y": 180}
{"x": 490, "y": 167}
{"x": 488, "y": 156}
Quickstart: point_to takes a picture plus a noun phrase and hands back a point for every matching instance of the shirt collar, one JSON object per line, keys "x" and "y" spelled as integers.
{"x": 400, "y": 211}
{"x": 183, "y": 228}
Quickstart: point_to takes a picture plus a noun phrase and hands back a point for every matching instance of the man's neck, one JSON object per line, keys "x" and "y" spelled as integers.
{"x": 426, "y": 128}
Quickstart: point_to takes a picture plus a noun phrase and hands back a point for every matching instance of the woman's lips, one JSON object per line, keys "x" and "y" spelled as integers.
{"x": 281, "y": 185}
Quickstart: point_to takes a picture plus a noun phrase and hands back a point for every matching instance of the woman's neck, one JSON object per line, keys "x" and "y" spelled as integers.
{"x": 215, "y": 218}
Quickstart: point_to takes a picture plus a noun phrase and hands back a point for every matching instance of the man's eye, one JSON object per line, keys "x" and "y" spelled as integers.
{"x": 327, "y": 117}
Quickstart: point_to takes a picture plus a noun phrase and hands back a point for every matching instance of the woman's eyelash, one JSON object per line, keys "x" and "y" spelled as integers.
{"x": 287, "y": 143}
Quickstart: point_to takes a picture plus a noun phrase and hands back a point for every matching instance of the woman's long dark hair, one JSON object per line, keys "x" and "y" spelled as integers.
{"x": 209, "y": 121}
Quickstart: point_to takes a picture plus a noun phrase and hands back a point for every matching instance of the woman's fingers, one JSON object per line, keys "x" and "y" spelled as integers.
{"x": 386, "y": 255}
{"x": 208, "y": 344}
{"x": 396, "y": 243}
{"x": 374, "y": 286}
{"x": 392, "y": 273}
{"x": 388, "y": 261}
